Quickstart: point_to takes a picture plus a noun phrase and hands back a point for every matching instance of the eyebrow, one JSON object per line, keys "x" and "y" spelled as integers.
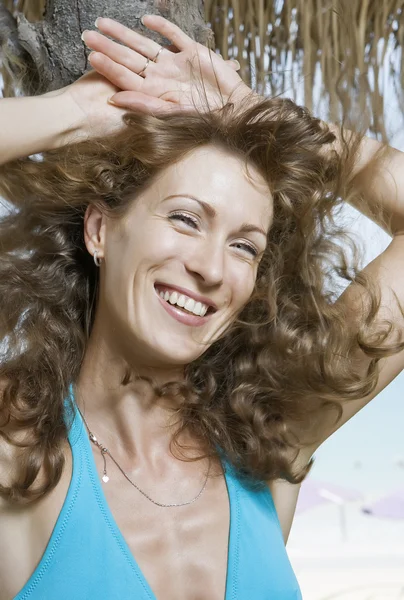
{"x": 210, "y": 211}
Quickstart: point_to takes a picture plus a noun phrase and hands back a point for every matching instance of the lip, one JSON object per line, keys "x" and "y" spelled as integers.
{"x": 181, "y": 316}
{"x": 196, "y": 297}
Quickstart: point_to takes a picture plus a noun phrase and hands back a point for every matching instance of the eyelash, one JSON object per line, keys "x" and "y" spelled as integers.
{"x": 189, "y": 219}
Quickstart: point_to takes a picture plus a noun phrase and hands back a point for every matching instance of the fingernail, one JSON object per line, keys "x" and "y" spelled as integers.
{"x": 91, "y": 53}
{"x": 82, "y": 35}
{"x": 237, "y": 63}
{"x": 96, "y": 22}
{"x": 141, "y": 20}
{"x": 110, "y": 101}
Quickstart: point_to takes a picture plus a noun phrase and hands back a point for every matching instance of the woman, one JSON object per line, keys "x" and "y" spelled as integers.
{"x": 201, "y": 359}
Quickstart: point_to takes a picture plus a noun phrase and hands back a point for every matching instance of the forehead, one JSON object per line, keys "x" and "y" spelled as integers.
{"x": 221, "y": 179}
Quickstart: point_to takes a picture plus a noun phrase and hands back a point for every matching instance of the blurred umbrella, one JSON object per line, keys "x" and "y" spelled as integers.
{"x": 389, "y": 507}
{"x": 314, "y": 493}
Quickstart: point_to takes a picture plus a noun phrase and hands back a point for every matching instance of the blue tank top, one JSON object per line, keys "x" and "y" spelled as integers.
{"x": 88, "y": 557}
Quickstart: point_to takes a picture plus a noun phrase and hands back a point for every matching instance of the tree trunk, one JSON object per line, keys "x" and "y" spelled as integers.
{"x": 51, "y": 50}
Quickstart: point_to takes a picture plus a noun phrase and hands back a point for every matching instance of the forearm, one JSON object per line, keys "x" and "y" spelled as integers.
{"x": 379, "y": 179}
{"x": 30, "y": 125}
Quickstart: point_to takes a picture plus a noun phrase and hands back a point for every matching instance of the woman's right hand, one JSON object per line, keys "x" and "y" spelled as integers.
{"x": 167, "y": 84}
{"x": 86, "y": 108}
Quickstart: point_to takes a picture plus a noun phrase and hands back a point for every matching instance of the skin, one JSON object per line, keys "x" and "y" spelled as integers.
{"x": 131, "y": 327}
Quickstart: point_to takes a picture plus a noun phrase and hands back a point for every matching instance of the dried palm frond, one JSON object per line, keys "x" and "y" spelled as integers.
{"x": 332, "y": 54}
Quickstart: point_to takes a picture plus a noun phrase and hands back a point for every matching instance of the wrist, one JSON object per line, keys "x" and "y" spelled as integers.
{"x": 66, "y": 118}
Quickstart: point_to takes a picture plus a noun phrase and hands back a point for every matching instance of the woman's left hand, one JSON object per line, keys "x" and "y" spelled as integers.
{"x": 165, "y": 85}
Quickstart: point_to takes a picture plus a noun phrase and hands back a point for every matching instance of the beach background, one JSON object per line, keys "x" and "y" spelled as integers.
{"x": 339, "y": 552}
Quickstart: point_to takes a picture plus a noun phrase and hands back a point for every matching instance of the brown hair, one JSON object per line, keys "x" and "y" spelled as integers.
{"x": 285, "y": 357}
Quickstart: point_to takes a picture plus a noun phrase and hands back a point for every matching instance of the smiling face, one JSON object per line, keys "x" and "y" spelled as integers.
{"x": 197, "y": 233}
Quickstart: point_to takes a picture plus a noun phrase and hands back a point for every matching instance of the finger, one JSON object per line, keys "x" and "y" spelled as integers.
{"x": 119, "y": 54}
{"x": 234, "y": 64}
{"x": 172, "y": 32}
{"x": 130, "y": 38}
{"x": 123, "y": 78}
{"x": 139, "y": 102}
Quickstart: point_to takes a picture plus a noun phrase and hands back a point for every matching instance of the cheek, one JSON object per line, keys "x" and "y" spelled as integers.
{"x": 155, "y": 241}
{"x": 139, "y": 250}
{"x": 243, "y": 287}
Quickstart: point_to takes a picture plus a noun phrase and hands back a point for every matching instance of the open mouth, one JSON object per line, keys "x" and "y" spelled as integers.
{"x": 201, "y": 309}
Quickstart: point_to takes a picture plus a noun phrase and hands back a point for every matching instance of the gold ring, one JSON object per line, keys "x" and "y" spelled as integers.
{"x": 155, "y": 58}
{"x": 145, "y": 67}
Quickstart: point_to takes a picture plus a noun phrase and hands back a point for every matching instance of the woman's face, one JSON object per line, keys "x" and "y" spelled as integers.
{"x": 198, "y": 230}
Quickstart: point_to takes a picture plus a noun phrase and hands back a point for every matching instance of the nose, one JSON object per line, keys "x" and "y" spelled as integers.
{"x": 207, "y": 262}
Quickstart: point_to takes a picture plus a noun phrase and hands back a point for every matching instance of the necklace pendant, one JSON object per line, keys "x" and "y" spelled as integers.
{"x": 105, "y": 478}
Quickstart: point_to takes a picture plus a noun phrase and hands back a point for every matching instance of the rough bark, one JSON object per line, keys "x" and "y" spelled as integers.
{"x": 51, "y": 50}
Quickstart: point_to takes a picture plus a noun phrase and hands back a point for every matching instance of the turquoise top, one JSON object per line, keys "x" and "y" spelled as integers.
{"x": 87, "y": 556}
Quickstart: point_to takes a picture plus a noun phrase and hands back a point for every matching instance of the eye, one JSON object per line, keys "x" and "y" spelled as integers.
{"x": 192, "y": 222}
{"x": 185, "y": 218}
{"x": 249, "y": 248}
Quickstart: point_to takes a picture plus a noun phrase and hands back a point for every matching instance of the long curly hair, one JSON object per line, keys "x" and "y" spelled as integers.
{"x": 286, "y": 357}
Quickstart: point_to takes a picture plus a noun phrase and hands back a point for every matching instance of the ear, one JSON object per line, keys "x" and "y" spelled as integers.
{"x": 94, "y": 230}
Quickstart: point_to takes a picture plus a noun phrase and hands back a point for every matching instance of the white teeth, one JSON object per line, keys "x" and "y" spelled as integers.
{"x": 197, "y": 308}
{"x": 189, "y": 304}
{"x": 173, "y": 298}
{"x": 181, "y": 300}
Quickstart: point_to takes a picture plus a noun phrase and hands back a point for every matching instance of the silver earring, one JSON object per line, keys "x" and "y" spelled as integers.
{"x": 96, "y": 259}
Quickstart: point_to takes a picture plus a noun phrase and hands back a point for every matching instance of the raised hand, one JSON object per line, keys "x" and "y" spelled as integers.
{"x": 167, "y": 84}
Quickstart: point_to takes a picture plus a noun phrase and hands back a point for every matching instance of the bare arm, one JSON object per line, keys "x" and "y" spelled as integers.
{"x": 379, "y": 177}
{"x": 30, "y": 125}
{"x": 35, "y": 124}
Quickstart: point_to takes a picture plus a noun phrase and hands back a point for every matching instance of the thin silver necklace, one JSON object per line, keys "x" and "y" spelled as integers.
{"x": 105, "y": 477}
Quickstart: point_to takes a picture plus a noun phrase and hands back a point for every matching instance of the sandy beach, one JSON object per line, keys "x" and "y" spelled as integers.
{"x": 351, "y": 573}
{"x": 364, "y": 561}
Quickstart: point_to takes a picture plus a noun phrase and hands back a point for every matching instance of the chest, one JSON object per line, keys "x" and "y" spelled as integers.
{"x": 87, "y": 539}
{"x": 182, "y": 552}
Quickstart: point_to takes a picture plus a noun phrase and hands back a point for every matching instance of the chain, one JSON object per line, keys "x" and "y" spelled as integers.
{"x": 105, "y": 477}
